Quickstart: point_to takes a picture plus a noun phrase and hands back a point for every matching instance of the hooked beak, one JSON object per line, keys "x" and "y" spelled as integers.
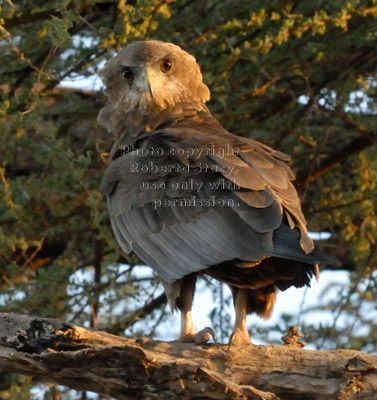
{"x": 145, "y": 81}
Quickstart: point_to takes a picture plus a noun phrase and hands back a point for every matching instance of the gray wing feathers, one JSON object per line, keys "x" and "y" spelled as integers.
{"x": 182, "y": 238}
{"x": 184, "y": 248}
{"x": 260, "y": 219}
{"x": 122, "y": 235}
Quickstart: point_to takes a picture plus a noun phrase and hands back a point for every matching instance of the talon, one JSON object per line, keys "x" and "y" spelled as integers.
{"x": 201, "y": 337}
{"x": 208, "y": 333}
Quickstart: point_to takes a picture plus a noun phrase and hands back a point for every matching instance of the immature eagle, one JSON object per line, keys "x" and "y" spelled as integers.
{"x": 190, "y": 198}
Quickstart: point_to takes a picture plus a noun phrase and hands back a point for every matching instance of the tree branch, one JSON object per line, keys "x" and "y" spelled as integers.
{"x": 126, "y": 369}
{"x": 358, "y": 144}
{"x": 139, "y": 314}
{"x": 31, "y": 18}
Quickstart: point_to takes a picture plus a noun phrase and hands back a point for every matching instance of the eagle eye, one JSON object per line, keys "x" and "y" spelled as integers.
{"x": 127, "y": 74}
{"x": 165, "y": 65}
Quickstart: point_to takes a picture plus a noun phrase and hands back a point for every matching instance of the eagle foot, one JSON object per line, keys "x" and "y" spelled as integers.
{"x": 239, "y": 338}
{"x": 201, "y": 337}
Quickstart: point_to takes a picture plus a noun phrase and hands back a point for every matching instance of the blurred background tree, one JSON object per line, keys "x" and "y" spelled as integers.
{"x": 297, "y": 75}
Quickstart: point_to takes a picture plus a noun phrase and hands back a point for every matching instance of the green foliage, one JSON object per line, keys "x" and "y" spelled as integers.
{"x": 300, "y": 76}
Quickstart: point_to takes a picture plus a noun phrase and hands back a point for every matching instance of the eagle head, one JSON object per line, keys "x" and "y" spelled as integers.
{"x": 152, "y": 76}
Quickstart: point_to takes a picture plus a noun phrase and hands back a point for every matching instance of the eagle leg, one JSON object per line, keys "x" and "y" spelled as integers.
{"x": 184, "y": 304}
{"x": 240, "y": 335}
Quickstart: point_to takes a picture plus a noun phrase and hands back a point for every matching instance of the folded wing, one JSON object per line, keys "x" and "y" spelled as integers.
{"x": 205, "y": 197}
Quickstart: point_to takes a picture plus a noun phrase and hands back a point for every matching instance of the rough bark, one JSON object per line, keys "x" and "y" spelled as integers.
{"x": 125, "y": 369}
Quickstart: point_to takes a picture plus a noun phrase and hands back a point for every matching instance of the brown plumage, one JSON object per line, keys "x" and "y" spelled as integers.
{"x": 190, "y": 198}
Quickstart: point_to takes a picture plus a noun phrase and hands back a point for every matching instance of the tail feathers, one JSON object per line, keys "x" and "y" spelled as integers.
{"x": 287, "y": 245}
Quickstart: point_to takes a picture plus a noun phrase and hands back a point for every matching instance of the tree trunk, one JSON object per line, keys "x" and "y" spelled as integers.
{"x": 124, "y": 369}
